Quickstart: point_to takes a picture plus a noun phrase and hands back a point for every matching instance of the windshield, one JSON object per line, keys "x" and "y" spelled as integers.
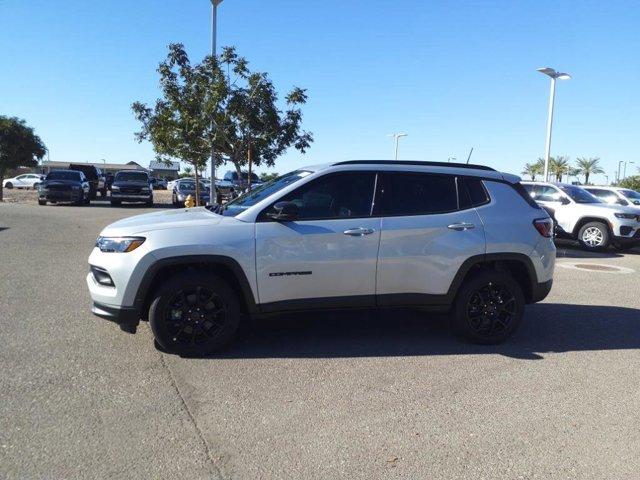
{"x": 131, "y": 177}
{"x": 579, "y": 195}
{"x": 265, "y": 190}
{"x": 74, "y": 176}
{"x": 189, "y": 186}
{"x": 632, "y": 194}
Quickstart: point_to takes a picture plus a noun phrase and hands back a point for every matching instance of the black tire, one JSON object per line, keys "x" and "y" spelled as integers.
{"x": 488, "y": 308}
{"x": 9, "y": 185}
{"x": 174, "y": 200}
{"x": 103, "y": 192}
{"x": 594, "y": 236}
{"x": 194, "y": 314}
{"x": 81, "y": 200}
{"x": 115, "y": 203}
{"x": 149, "y": 203}
{"x": 42, "y": 202}
{"x": 35, "y": 186}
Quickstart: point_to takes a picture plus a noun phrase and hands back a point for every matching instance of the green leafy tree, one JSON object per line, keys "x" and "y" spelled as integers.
{"x": 534, "y": 169}
{"x": 632, "y": 183}
{"x": 559, "y": 167}
{"x": 267, "y": 177}
{"x": 220, "y": 104}
{"x": 19, "y": 146}
{"x": 588, "y": 167}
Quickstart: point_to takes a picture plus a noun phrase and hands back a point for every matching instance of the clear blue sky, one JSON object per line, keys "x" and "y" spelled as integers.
{"x": 451, "y": 74}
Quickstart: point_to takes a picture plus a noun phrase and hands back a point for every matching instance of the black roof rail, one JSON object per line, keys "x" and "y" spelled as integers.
{"x": 415, "y": 162}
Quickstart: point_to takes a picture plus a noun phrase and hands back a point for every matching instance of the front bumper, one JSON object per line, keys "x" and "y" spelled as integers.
{"x": 132, "y": 197}
{"x": 127, "y": 318}
{"x": 60, "y": 195}
{"x": 633, "y": 238}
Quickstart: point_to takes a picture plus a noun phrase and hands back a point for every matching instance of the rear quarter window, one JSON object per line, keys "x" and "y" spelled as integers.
{"x": 472, "y": 192}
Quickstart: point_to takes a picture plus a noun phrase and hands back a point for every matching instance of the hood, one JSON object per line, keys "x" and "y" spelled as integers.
{"x": 204, "y": 192}
{"x": 598, "y": 207}
{"x": 184, "y": 217}
{"x": 69, "y": 183}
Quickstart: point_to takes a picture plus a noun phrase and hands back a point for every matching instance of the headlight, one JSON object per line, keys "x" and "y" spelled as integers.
{"x": 115, "y": 187}
{"x": 119, "y": 244}
{"x": 628, "y": 216}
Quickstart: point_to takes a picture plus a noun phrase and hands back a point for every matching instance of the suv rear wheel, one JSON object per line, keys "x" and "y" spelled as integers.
{"x": 488, "y": 308}
{"x": 194, "y": 314}
{"x": 594, "y": 236}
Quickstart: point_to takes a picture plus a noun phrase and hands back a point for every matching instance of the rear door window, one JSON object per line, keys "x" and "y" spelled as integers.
{"x": 409, "y": 193}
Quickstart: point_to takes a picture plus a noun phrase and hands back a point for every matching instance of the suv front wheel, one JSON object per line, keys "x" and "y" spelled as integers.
{"x": 194, "y": 314}
{"x": 594, "y": 236}
{"x": 488, "y": 308}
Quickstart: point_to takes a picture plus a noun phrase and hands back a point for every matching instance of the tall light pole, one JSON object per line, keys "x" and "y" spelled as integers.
{"x": 619, "y": 170}
{"x": 554, "y": 76}
{"x": 214, "y": 27}
{"x": 397, "y": 136}
{"x": 624, "y": 172}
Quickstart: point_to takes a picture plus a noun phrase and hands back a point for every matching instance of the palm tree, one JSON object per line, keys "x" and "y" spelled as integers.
{"x": 533, "y": 169}
{"x": 560, "y": 166}
{"x": 589, "y": 166}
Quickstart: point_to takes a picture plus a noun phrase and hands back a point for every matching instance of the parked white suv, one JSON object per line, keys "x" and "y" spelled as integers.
{"x": 440, "y": 236}
{"x": 615, "y": 195}
{"x": 580, "y": 215}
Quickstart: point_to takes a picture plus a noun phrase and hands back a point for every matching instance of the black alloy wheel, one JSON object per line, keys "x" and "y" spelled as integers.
{"x": 194, "y": 313}
{"x": 489, "y": 307}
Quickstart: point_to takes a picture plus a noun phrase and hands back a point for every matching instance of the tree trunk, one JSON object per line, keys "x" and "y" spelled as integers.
{"x": 197, "y": 187}
{"x": 586, "y": 178}
{"x": 1, "y": 180}
{"x": 239, "y": 172}
{"x": 249, "y": 160}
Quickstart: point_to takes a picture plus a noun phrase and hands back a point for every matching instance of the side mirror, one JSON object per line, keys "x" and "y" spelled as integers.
{"x": 564, "y": 201}
{"x": 283, "y": 212}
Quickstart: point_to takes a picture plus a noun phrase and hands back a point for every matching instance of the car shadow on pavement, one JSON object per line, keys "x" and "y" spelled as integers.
{"x": 547, "y": 328}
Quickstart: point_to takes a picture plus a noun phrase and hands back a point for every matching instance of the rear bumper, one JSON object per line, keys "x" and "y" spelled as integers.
{"x": 127, "y": 318}
{"x": 540, "y": 291}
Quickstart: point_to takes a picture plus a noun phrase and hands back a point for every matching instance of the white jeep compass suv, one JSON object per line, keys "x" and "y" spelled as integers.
{"x": 580, "y": 215}
{"x": 439, "y": 236}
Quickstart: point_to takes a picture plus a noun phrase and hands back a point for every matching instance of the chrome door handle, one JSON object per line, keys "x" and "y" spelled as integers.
{"x": 461, "y": 226}
{"x": 358, "y": 232}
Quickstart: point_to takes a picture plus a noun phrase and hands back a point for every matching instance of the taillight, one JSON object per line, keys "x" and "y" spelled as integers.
{"x": 544, "y": 226}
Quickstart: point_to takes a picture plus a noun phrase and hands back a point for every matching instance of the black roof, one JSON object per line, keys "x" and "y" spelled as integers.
{"x": 416, "y": 162}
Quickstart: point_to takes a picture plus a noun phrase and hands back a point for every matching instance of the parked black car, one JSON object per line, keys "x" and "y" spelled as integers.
{"x": 94, "y": 176}
{"x": 64, "y": 186}
{"x": 129, "y": 186}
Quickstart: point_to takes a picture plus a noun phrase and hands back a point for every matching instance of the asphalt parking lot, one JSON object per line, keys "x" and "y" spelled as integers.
{"x": 341, "y": 395}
